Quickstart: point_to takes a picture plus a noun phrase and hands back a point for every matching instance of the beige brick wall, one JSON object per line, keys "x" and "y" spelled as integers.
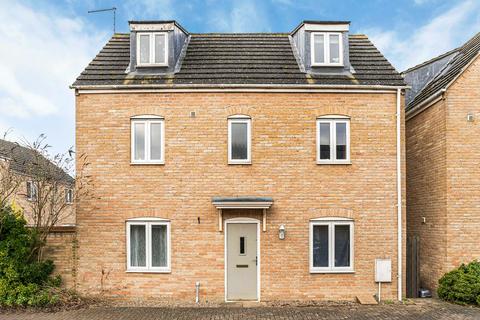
{"x": 426, "y": 190}
{"x": 61, "y": 248}
{"x": 283, "y": 167}
{"x": 443, "y": 178}
{"x": 463, "y": 158}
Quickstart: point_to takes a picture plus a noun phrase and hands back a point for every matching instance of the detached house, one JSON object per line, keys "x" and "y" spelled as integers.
{"x": 263, "y": 166}
{"x": 443, "y": 152}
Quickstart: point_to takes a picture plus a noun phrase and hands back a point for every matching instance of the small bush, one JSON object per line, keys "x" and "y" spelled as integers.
{"x": 461, "y": 285}
{"x": 24, "y": 281}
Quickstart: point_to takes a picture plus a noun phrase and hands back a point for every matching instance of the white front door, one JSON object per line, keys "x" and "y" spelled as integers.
{"x": 242, "y": 261}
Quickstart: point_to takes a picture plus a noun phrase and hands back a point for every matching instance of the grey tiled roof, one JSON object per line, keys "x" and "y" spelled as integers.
{"x": 452, "y": 69}
{"x": 235, "y": 58}
{"x": 22, "y": 158}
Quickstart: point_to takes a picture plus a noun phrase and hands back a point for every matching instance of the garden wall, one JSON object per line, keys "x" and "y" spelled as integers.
{"x": 62, "y": 248}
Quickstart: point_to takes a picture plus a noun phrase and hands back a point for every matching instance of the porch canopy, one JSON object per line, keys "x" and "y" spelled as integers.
{"x": 221, "y": 203}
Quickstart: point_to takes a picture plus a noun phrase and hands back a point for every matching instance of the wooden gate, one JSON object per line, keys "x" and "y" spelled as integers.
{"x": 413, "y": 266}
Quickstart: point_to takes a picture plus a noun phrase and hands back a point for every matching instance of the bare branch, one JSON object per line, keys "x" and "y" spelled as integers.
{"x": 51, "y": 179}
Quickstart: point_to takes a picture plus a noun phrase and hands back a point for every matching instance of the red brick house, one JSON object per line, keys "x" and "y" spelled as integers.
{"x": 443, "y": 148}
{"x": 265, "y": 166}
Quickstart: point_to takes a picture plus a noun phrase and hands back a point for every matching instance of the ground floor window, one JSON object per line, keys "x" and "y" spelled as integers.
{"x": 148, "y": 246}
{"x": 331, "y": 245}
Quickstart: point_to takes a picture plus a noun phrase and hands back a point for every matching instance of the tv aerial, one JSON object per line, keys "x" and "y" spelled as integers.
{"x": 105, "y": 10}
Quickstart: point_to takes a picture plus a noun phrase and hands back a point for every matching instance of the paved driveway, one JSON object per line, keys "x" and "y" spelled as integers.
{"x": 424, "y": 310}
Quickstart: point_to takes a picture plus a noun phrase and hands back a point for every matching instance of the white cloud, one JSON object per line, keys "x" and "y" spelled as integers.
{"x": 41, "y": 56}
{"x": 242, "y": 16}
{"x": 406, "y": 48}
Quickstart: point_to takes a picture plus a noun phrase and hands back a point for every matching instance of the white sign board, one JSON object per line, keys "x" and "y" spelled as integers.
{"x": 383, "y": 270}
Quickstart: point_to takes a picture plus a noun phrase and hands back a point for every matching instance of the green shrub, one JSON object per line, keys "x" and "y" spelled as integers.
{"x": 24, "y": 281}
{"x": 461, "y": 285}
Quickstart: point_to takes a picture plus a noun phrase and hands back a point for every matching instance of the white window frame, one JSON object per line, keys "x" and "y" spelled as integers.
{"x": 147, "y": 121}
{"x": 331, "y": 223}
{"x": 333, "y": 120}
{"x": 326, "y": 49}
{"x": 248, "y": 121}
{"x": 148, "y": 223}
{"x": 68, "y": 196}
{"x": 33, "y": 191}
{"x": 151, "y": 39}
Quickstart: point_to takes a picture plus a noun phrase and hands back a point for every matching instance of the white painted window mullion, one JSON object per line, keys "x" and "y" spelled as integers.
{"x": 148, "y": 230}
{"x": 332, "y": 141}
{"x": 331, "y": 245}
{"x": 147, "y": 140}
{"x": 327, "y": 47}
{"x": 152, "y": 48}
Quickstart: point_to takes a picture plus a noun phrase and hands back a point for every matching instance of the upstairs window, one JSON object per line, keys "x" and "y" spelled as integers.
{"x": 31, "y": 191}
{"x": 69, "y": 196}
{"x": 239, "y": 140}
{"x": 152, "y": 49}
{"x": 327, "y": 49}
{"x": 147, "y": 140}
{"x": 333, "y": 140}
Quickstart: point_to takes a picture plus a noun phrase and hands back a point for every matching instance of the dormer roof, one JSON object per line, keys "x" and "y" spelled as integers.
{"x": 243, "y": 59}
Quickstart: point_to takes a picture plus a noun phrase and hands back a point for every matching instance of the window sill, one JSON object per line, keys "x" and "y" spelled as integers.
{"x": 331, "y": 271}
{"x": 327, "y": 65}
{"x": 334, "y": 162}
{"x": 152, "y": 65}
{"x": 239, "y": 162}
{"x": 147, "y": 162}
{"x": 149, "y": 271}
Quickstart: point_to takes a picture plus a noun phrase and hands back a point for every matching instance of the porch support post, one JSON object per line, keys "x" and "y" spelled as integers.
{"x": 220, "y": 220}
{"x": 264, "y": 220}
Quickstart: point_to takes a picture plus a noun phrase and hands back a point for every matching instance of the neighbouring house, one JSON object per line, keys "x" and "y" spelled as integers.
{"x": 25, "y": 168}
{"x": 443, "y": 152}
{"x": 261, "y": 166}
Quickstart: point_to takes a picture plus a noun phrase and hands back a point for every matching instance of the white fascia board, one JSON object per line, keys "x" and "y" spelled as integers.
{"x": 327, "y": 27}
{"x": 152, "y": 26}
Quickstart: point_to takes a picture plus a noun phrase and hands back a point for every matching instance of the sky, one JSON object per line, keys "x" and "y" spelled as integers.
{"x": 46, "y": 44}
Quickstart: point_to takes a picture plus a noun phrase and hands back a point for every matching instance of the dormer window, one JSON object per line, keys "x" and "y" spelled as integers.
{"x": 327, "y": 49}
{"x": 152, "y": 49}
